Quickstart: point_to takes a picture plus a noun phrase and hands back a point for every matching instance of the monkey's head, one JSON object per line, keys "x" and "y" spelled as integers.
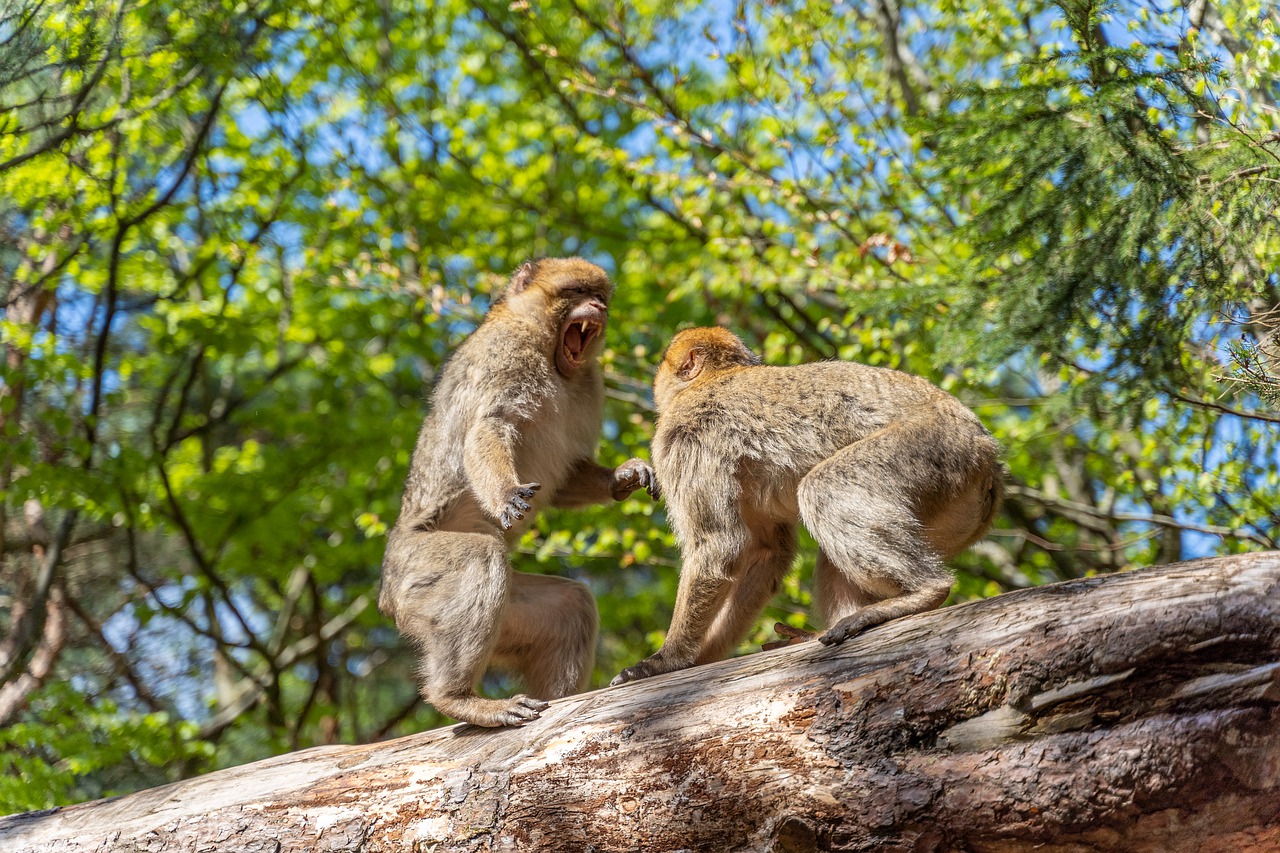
{"x": 568, "y": 296}
{"x": 698, "y": 354}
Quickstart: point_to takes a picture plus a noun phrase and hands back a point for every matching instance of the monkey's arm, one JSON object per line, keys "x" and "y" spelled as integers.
{"x": 489, "y": 459}
{"x": 590, "y": 483}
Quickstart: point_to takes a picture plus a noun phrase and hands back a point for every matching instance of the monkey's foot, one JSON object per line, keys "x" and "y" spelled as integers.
{"x": 631, "y": 475}
{"x": 793, "y": 635}
{"x": 849, "y": 626}
{"x": 492, "y": 713}
{"x": 650, "y": 666}
{"x": 517, "y": 504}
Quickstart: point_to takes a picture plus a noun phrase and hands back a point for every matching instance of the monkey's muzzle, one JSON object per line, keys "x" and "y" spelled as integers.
{"x": 581, "y": 328}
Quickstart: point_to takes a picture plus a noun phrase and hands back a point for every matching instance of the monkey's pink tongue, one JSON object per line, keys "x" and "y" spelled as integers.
{"x": 573, "y": 340}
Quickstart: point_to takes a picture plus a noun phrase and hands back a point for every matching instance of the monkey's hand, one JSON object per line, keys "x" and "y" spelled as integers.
{"x": 655, "y": 664}
{"x": 631, "y": 475}
{"x": 793, "y": 636}
{"x": 516, "y": 504}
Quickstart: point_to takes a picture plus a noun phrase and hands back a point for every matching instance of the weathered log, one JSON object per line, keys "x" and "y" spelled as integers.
{"x": 1132, "y": 712}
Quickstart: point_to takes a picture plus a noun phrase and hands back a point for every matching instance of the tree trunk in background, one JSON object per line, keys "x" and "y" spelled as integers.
{"x": 1135, "y": 712}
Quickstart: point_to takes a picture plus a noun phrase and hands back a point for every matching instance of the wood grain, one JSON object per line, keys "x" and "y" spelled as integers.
{"x": 1132, "y": 712}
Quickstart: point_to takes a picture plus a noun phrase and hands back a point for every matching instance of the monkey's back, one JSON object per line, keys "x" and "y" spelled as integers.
{"x": 776, "y": 423}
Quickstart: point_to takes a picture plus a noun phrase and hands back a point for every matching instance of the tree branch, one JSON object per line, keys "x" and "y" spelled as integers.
{"x": 1136, "y": 712}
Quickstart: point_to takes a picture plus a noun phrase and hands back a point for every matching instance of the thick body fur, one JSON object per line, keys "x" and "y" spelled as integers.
{"x": 890, "y": 474}
{"x": 513, "y": 425}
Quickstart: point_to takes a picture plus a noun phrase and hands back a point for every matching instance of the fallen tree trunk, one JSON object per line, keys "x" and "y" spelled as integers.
{"x": 1131, "y": 712}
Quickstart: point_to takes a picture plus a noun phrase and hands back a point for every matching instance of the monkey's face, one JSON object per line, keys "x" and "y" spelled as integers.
{"x": 571, "y": 296}
{"x": 585, "y": 311}
{"x": 578, "y": 293}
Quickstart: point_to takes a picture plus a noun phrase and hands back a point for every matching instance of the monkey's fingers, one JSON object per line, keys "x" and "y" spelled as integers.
{"x": 527, "y": 707}
{"x": 649, "y": 482}
{"x": 654, "y": 490}
{"x": 527, "y": 490}
{"x": 631, "y": 475}
{"x": 655, "y": 664}
{"x": 517, "y": 504}
{"x": 521, "y": 710}
{"x": 631, "y": 673}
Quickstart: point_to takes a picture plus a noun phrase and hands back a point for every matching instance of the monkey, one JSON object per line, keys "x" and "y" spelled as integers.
{"x": 511, "y": 428}
{"x": 889, "y": 473}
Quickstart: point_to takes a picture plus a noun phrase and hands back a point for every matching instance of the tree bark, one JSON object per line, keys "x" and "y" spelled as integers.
{"x": 1134, "y": 712}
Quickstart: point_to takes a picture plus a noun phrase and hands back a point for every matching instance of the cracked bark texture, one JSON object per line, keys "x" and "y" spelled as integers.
{"x": 1134, "y": 712}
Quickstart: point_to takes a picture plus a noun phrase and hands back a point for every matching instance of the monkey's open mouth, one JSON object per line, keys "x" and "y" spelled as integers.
{"x": 575, "y": 339}
{"x": 580, "y": 331}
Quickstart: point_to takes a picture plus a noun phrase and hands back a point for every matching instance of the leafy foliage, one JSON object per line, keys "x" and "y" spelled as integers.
{"x": 237, "y": 241}
{"x": 1096, "y": 228}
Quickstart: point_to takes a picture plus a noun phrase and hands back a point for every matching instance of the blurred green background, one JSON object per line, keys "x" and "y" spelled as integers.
{"x": 238, "y": 239}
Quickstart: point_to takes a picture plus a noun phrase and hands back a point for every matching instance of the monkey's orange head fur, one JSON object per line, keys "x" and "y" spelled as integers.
{"x": 698, "y": 354}
{"x": 569, "y": 296}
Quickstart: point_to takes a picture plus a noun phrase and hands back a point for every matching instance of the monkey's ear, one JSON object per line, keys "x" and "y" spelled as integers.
{"x": 522, "y": 277}
{"x": 692, "y": 366}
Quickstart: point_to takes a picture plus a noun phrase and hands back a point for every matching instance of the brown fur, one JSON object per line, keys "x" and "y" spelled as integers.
{"x": 890, "y": 474}
{"x": 513, "y": 425}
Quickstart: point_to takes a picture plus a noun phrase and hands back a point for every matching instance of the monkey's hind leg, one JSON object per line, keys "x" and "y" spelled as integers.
{"x": 754, "y": 577}
{"x": 548, "y": 634}
{"x": 875, "y": 562}
{"x": 451, "y": 590}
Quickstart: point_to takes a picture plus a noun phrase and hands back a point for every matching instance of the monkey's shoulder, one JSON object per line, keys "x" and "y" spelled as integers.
{"x": 493, "y": 351}
{"x": 490, "y": 375}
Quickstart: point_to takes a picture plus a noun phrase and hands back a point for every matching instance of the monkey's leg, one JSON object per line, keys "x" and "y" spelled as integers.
{"x": 859, "y": 505}
{"x": 754, "y": 580}
{"x": 874, "y": 593}
{"x": 704, "y": 586}
{"x": 548, "y": 634}
{"x": 450, "y": 591}
{"x": 835, "y": 593}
